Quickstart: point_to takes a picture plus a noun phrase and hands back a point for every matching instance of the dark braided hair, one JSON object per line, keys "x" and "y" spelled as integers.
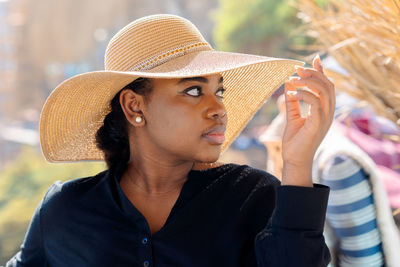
{"x": 112, "y": 137}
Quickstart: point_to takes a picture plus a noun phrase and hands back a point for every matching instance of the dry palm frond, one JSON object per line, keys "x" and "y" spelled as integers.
{"x": 364, "y": 38}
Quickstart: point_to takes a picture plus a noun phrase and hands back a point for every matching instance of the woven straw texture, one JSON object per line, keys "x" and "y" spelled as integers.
{"x": 364, "y": 38}
{"x": 159, "y": 46}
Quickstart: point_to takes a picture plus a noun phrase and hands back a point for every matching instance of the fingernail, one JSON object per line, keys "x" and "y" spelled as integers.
{"x": 296, "y": 67}
{"x": 291, "y": 93}
{"x": 293, "y": 78}
{"x": 318, "y": 58}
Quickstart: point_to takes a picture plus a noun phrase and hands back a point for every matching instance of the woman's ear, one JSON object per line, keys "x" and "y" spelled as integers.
{"x": 132, "y": 105}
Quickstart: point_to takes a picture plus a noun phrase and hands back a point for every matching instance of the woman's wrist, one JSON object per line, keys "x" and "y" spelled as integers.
{"x": 297, "y": 175}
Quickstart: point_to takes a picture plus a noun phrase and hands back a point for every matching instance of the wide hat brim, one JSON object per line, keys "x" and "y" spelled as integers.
{"x": 75, "y": 110}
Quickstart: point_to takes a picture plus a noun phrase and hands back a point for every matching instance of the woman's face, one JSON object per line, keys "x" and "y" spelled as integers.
{"x": 179, "y": 114}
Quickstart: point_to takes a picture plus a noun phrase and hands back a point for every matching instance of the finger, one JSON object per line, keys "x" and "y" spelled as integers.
{"x": 317, "y": 64}
{"x": 318, "y": 88}
{"x": 313, "y": 73}
{"x": 292, "y": 104}
{"x": 316, "y": 115}
{"x": 315, "y": 85}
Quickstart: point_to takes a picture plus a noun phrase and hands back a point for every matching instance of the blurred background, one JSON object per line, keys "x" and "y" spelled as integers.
{"x": 43, "y": 42}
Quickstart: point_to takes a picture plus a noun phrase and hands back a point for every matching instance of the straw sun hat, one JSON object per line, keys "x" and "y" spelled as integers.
{"x": 158, "y": 46}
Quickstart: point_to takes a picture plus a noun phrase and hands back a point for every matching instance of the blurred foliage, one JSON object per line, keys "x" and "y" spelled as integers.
{"x": 265, "y": 27}
{"x": 23, "y": 184}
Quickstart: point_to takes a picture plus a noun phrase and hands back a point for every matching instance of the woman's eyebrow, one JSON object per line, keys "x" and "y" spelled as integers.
{"x": 197, "y": 79}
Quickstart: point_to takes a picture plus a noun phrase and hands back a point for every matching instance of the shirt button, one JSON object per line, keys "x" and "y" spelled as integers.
{"x": 146, "y": 263}
{"x": 144, "y": 241}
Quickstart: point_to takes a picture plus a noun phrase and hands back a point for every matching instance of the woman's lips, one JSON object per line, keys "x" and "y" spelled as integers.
{"x": 215, "y": 138}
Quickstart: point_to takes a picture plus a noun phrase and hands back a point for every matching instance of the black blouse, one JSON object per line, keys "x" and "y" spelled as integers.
{"x": 231, "y": 215}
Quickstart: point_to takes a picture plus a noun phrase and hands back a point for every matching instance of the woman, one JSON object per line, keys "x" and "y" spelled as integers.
{"x": 158, "y": 117}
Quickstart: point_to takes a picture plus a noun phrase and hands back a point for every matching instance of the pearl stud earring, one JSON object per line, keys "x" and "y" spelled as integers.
{"x": 139, "y": 119}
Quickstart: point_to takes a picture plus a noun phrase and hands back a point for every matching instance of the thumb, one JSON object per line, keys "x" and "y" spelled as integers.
{"x": 292, "y": 103}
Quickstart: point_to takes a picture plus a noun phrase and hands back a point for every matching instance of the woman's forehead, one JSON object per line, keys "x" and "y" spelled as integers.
{"x": 202, "y": 79}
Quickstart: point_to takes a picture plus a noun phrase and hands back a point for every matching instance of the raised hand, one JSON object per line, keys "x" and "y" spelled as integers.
{"x": 302, "y": 136}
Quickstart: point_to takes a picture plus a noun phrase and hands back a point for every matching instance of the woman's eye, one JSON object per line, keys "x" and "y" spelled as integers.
{"x": 196, "y": 91}
{"x": 220, "y": 92}
{"x": 193, "y": 90}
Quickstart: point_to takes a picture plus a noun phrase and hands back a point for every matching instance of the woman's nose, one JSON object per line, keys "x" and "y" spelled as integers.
{"x": 216, "y": 109}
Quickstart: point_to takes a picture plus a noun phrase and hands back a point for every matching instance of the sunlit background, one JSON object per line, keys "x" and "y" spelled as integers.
{"x": 43, "y": 42}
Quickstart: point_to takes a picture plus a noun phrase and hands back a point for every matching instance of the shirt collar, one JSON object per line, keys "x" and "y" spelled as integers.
{"x": 197, "y": 181}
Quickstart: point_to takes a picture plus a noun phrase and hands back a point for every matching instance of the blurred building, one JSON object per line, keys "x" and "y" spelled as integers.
{"x": 7, "y": 57}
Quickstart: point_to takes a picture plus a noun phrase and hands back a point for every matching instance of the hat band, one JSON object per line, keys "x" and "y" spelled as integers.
{"x": 170, "y": 54}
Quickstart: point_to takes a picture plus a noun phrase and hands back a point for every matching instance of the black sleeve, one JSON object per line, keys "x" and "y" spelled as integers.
{"x": 293, "y": 235}
{"x": 32, "y": 251}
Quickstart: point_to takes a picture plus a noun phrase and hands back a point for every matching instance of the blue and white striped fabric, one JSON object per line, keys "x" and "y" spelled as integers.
{"x": 351, "y": 213}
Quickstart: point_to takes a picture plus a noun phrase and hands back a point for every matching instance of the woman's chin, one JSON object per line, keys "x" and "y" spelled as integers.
{"x": 209, "y": 157}
{"x": 206, "y": 165}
